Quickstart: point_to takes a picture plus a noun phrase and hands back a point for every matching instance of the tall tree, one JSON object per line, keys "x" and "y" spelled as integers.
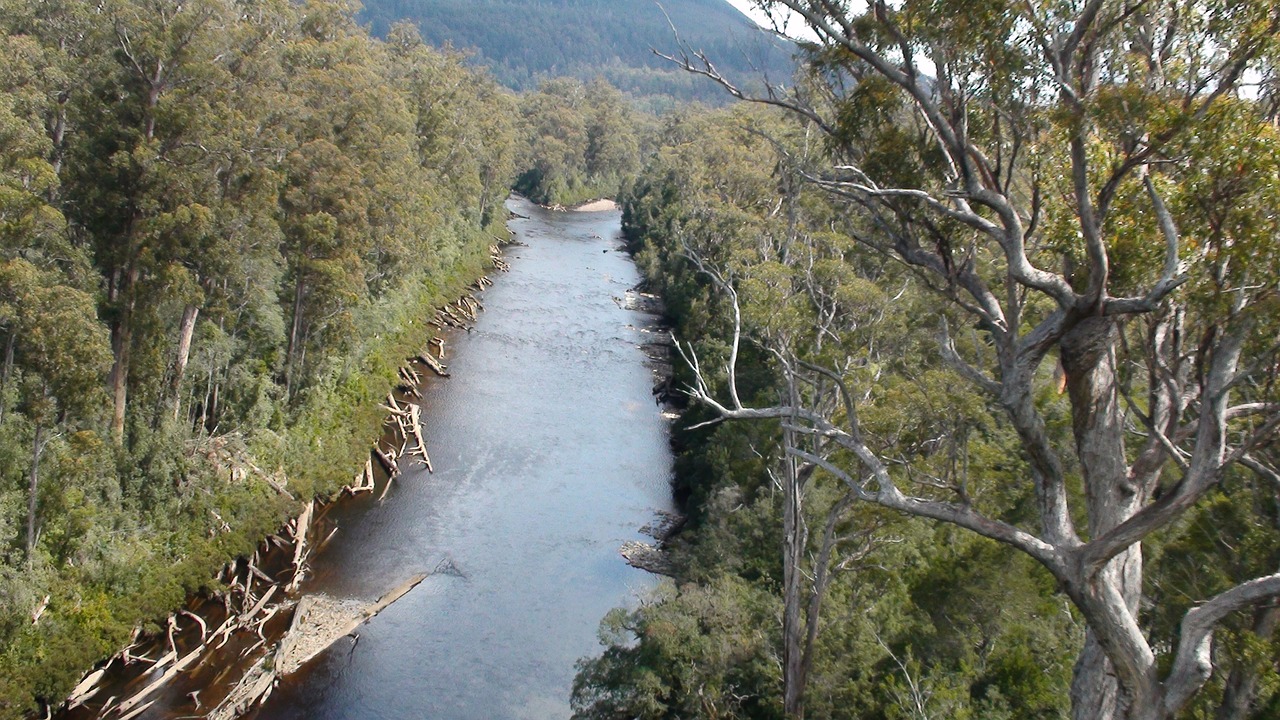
{"x": 1034, "y": 163}
{"x": 145, "y": 175}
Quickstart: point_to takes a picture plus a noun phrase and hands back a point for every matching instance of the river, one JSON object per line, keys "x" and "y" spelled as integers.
{"x": 549, "y": 453}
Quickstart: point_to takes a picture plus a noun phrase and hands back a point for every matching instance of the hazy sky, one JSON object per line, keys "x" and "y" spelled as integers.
{"x": 747, "y": 7}
{"x": 796, "y": 27}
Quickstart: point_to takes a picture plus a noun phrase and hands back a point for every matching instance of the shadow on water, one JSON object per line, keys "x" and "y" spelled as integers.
{"x": 549, "y": 453}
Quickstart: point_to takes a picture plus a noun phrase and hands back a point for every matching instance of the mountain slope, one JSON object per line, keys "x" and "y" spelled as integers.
{"x": 523, "y": 42}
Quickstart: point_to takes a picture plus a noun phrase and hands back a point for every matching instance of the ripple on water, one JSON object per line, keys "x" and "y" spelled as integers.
{"x": 549, "y": 453}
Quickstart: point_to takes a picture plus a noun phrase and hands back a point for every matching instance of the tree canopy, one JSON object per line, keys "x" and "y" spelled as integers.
{"x": 1066, "y": 184}
{"x": 220, "y": 226}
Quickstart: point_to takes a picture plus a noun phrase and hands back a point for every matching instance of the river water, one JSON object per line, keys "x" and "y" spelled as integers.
{"x": 549, "y": 453}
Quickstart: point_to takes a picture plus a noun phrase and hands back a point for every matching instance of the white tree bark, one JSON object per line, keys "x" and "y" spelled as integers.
{"x": 1187, "y": 412}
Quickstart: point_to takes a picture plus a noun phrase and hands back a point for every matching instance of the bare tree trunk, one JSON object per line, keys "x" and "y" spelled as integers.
{"x": 1089, "y": 361}
{"x": 295, "y": 336}
{"x": 795, "y": 540}
{"x": 57, "y": 133}
{"x": 206, "y": 413}
{"x": 213, "y": 403}
{"x": 122, "y": 348}
{"x": 822, "y": 572}
{"x": 1095, "y": 691}
{"x": 33, "y": 485}
{"x": 122, "y": 339}
{"x": 186, "y": 330}
{"x": 7, "y": 370}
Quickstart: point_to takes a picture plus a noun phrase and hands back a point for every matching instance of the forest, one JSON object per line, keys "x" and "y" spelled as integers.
{"x": 977, "y": 332}
{"x": 976, "y": 322}
{"x": 223, "y": 226}
{"x": 524, "y": 43}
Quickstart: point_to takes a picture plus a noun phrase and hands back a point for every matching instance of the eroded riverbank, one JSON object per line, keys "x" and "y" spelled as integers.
{"x": 549, "y": 454}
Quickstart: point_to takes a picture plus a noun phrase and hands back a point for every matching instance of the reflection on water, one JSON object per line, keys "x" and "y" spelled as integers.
{"x": 549, "y": 454}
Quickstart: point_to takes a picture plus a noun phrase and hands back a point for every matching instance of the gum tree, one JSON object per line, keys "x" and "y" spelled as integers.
{"x": 1084, "y": 182}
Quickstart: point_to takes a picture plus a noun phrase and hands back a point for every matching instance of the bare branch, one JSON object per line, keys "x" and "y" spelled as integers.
{"x": 957, "y": 363}
{"x": 1194, "y": 662}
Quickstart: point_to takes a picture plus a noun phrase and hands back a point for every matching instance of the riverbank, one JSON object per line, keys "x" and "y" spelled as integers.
{"x": 194, "y": 655}
{"x": 550, "y": 454}
{"x": 601, "y": 205}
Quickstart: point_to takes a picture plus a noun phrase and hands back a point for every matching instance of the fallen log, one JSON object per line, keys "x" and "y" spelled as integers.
{"x": 204, "y": 628}
{"x": 385, "y": 460}
{"x": 386, "y": 488}
{"x": 320, "y": 621}
{"x": 451, "y": 316}
{"x": 39, "y": 611}
{"x": 252, "y": 688}
{"x": 364, "y": 480}
{"x": 327, "y": 539}
{"x": 300, "y": 545}
{"x": 87, "y": 688}
{"x": 409, "y": 375}
{"x": 415, "y": 419}
{"x": 248, "y": 615}
{"x": 253, "y": 570}
{"x": 164, "y": 678}
{"x": 434, "y": 364}
{"x": 137, "y": 712}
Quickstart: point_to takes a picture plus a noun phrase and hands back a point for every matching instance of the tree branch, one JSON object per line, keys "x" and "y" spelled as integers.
{"x": 1194, "y": 662}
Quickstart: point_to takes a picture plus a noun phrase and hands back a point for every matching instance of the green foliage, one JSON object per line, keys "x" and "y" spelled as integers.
{"x": 703, "y": 651}
{"x": 580, "y": 142}
{"x": 220, "y": 227}
{"x": 917, "y": 621}
{"x": 523, "y": 44}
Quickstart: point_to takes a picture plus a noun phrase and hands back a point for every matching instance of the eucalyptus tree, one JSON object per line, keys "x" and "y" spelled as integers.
{"x": 464, "y": 124}
{"x": 142, "y": 177}
{"x": 1081, "y": 181}
{"x": 349, "y": 174}
{"x": 54, "y": 347}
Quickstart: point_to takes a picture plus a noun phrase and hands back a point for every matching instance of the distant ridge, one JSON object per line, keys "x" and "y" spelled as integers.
{"x": 523, "y": 42}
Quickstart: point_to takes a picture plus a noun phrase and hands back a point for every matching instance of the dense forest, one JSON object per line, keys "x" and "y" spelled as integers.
{"x": 524, "y": 43}
{"x": 977, "y": 327}
{"x": 580, "y": 141}
{"x": 222, "y": 227}
{"x": 978, "y": 332}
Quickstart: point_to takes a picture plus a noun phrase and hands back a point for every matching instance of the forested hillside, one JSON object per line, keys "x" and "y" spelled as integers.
{"x": 222, "y": 226}
{"x": 579, "y": 141}
{"x": 979, "y": 340}
{"x": 524, "y": 43}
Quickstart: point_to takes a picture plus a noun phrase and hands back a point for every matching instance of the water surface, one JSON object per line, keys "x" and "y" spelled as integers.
{"x": 549, "y": 453}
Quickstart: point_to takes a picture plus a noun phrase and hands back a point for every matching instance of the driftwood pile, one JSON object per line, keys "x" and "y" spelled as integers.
{"x": 318, "y": 622}
{"x": 460, "y": 314}
{"x": 495, "y": 257}
{"x": 252, "y": 597}
{"x": 404, "y": 420}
